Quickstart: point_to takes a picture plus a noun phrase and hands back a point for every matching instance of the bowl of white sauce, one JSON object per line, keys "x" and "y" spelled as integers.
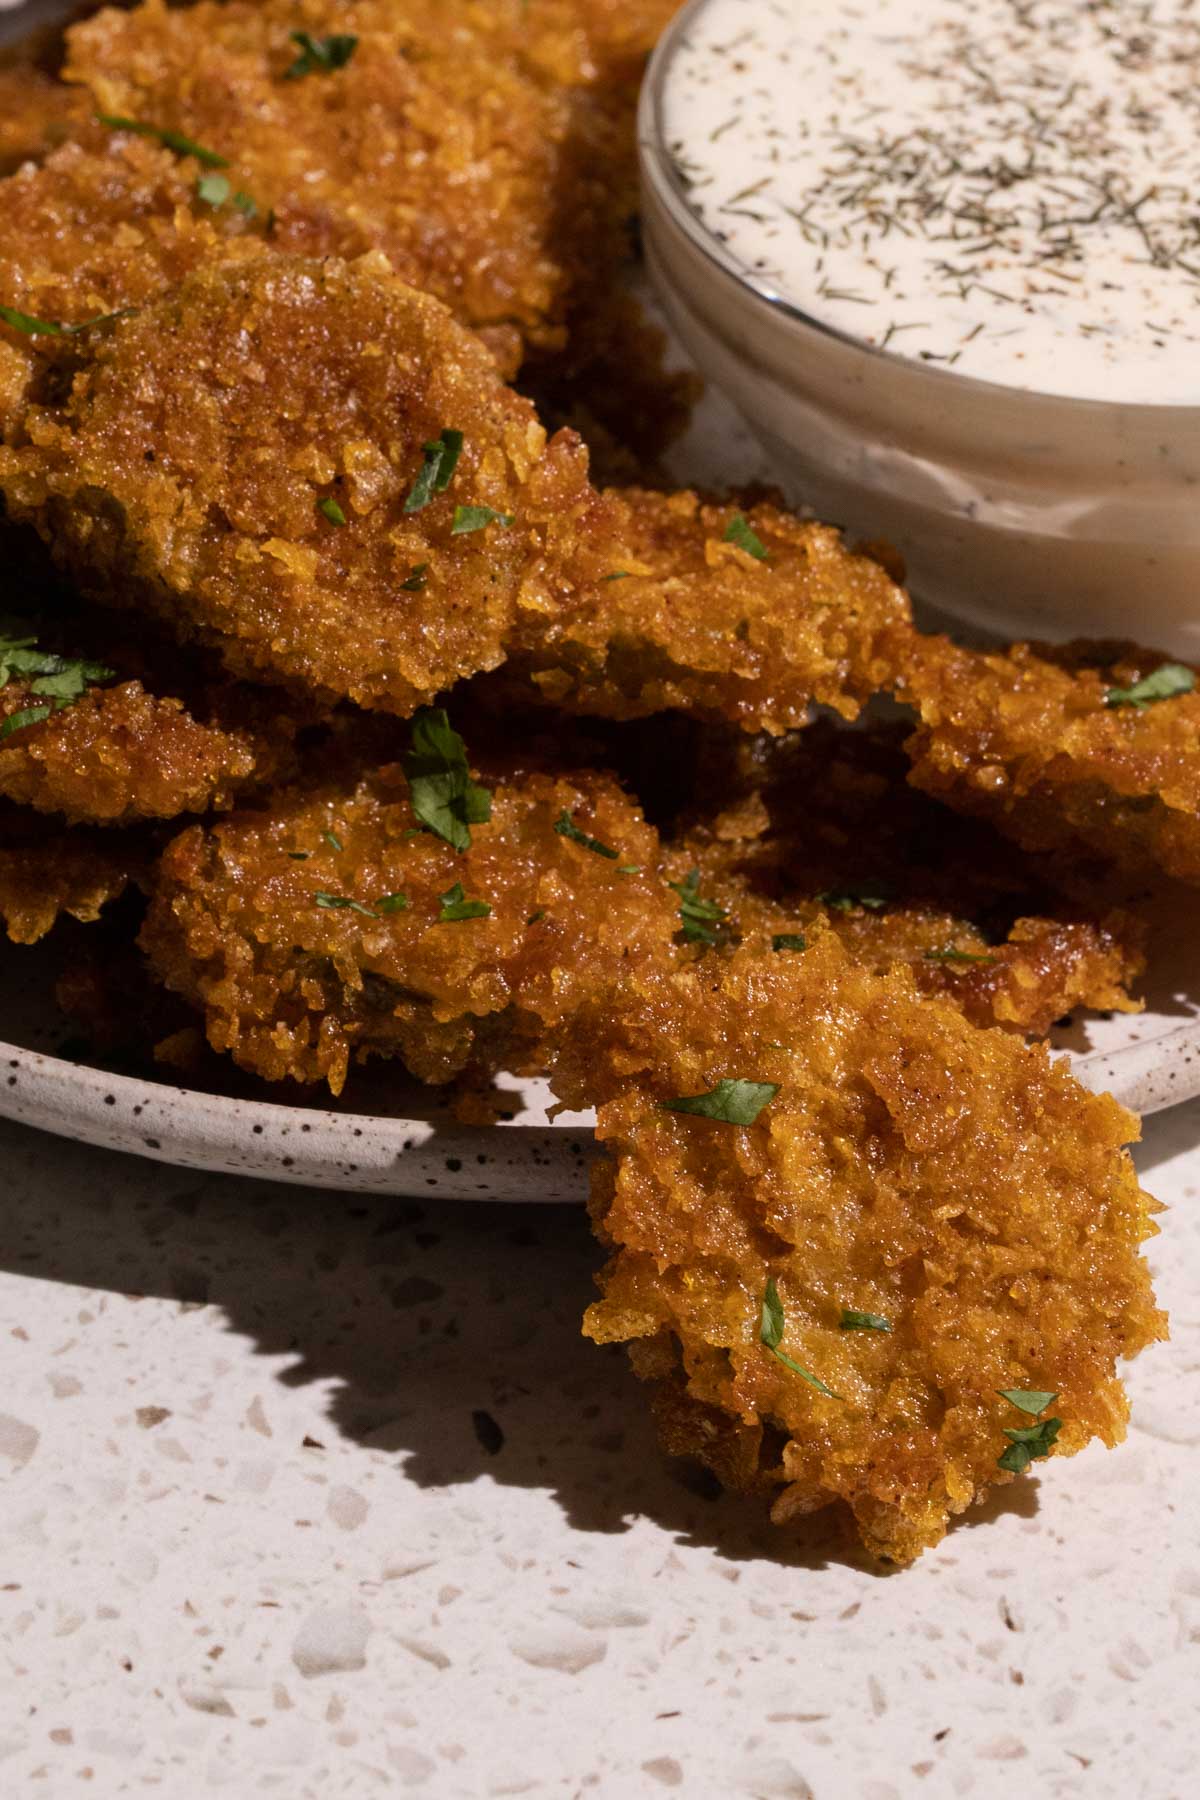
{"x": 944, "y": 255}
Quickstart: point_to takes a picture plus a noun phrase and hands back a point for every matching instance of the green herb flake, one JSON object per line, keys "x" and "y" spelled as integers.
{"x": 415, "y": 583}
{"x": 320, "y": 56}
{"x": 173, "y": 140}
{"x": 392, "y": 903}
{"x": 617, "y": 575}
{"x": 333, "y": 840}
{"x": 700, "y": 918}
{"x": 214, "y": 190}
{"x": 956, "y": 956}
{"x": 738, "y": 532}
{"x": 342, "y": 903}
{"x": 1166, "y": 683}
{"x": 34, "y": 327}
{"x": 789, "y": 940}
{"x": 732, "y": 1102}
{"x": 455, "y": 906}
{"x": 566, "y": 827}
{"x": 771, "y": 1334}
{"x": 444, "y": 797}
{"x": 437, "y": 470}
{"x": 873, "y": 895}
{"x": 476, "y": 518}
{"x": 246, "y": 204}
{"x": 862, "y": 1321}
{"x": 59, "y": 679}
{"x": 630, "y": 869}
{"x": 534, "y": 917}
{"x": 1027, "y": 1400}
{"x": 32, "y": 715}
{"x": 329, "y": 509}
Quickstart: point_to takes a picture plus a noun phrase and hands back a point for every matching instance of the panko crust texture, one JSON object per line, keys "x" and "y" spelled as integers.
{"x": 46, "y": 873}
{"x": 956, "y": 1182}
{"x": 293, "y": 987}
{"x": 1024, "y": 737}
{"x": 687, "y": 618}
{"x": 186, "y": 470}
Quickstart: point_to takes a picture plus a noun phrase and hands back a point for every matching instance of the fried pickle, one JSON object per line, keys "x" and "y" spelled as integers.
{"x": 953, "y": 1183}
{"x": 1029, "y": 739}
{"x": 46, "y": 873}
{"x": 331, "y": 927}
{"x": 822, "y": 826}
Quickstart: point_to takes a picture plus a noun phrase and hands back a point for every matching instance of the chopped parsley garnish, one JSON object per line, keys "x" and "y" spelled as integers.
{"x": 1026, "y": 1442}
{"x": 34, "y": 327}
{"x": 320, "y": 56}
{"x": 58, "y": 679}
{"x": 455, "y": 906}
{"x": 333, "y": 840}
{"x": 630, "y": 869}
{"x": 861, "y": 1321}
{"x": 341, "y": 903}
{"x": 392, "y": 903}
{"x": 738, "y": 532}
{"x": 444, "y": 797}
{"x": 475, "y": 518}
{"x": 700, "y": 918}
{"x": 215, "y": 190}
{"x": 535, "y": 916}
{"x": 771, "y": 1334}
{"x": 789, "y": 940}
{"x": 566, "y": 827}
{"x": 874, "y": 895}
{"x": 1165, "y": 683}
{"x": 416, "y": 579}
{"x": 173, "y": 140}
{"x": 441, "y": 460}
{"x": 956, "y": 956}
{"x": 617, "y": 575}
{"x": 329, "y": 509}
{"x": 732, "y": 1102}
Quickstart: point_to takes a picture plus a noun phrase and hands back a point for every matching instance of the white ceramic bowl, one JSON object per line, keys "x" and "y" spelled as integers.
{"x": 1018, "y": 511}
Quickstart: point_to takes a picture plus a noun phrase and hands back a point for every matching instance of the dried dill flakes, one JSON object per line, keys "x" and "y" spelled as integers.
{"x": 437, "y": 470}
{"x": 173, "y": 140}
{"x": 789, "y": 940}
{"x": 700, "y": 918}
{"x": 329, "y": 509}
{"x": 444, "y": 797}
{"x": 770, "y": 1333}
{"x": 956, "y": 956}
{"x": 1166, "y": 683}
{"x": 32, "y": 326}
{"x": 732, "y": 1101}
{"x": 455, "y": 906}
{"x": 476, "y": 518}
{"x": 320, "y": 56}
{"x": 739, "y": 533}
{"x": 60, "y": 680}
{"x": 342, "y": 903}
{"x": 1028, "y": 1442}
{"x": 862, "y": 1321}
{"x": 566, "y": 827}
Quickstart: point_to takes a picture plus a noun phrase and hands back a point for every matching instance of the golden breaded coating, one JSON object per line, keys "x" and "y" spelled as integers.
{"x": 45, "y": 873}
{"x": 822, "y": 826}
{"x": 37, "y": 111}
{"x": 98, "y": 227}
{"x": 950, "y": 1182}
{"x": 690, "y": 617}
{"x": 312, "y": 933}
{"x": 246, "y": 461}
{"x": 1026, "y": 739}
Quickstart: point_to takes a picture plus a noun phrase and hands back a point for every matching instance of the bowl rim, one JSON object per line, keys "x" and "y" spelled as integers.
{"x": 661, "y": 176}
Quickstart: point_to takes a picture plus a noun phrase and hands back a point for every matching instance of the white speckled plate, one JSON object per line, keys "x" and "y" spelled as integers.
{"x": 387, "y": 1135}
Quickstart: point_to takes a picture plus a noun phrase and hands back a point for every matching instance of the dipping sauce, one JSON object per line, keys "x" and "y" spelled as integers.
{"x": 1006, "y": 188}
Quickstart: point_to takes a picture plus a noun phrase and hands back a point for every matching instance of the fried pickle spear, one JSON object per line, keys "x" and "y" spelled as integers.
{"x": 821, "y": 826}
{"x": 316, "y": 470}
{"x": 1058, "y": 748}
{"x": 332, "y": 927}
{"x": 888, "y": 1160}
{"x": 46, "y": 873}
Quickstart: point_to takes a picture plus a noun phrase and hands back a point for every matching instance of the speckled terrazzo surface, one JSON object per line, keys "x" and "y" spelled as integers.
{"x": 322, "y": 1496}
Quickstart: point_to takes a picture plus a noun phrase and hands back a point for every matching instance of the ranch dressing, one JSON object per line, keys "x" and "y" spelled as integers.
{"x": 1009, "y": 189}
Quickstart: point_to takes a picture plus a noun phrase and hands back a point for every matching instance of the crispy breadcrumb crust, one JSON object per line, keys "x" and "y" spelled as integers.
{"x": 295, "y": 988}
{"x": 185, "y": 470}
{"x": 954, "y": 1181}
{"x": 45, "y": 873}
{"x": 1024, "y": 738}
{"x": 686, "y": 618}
